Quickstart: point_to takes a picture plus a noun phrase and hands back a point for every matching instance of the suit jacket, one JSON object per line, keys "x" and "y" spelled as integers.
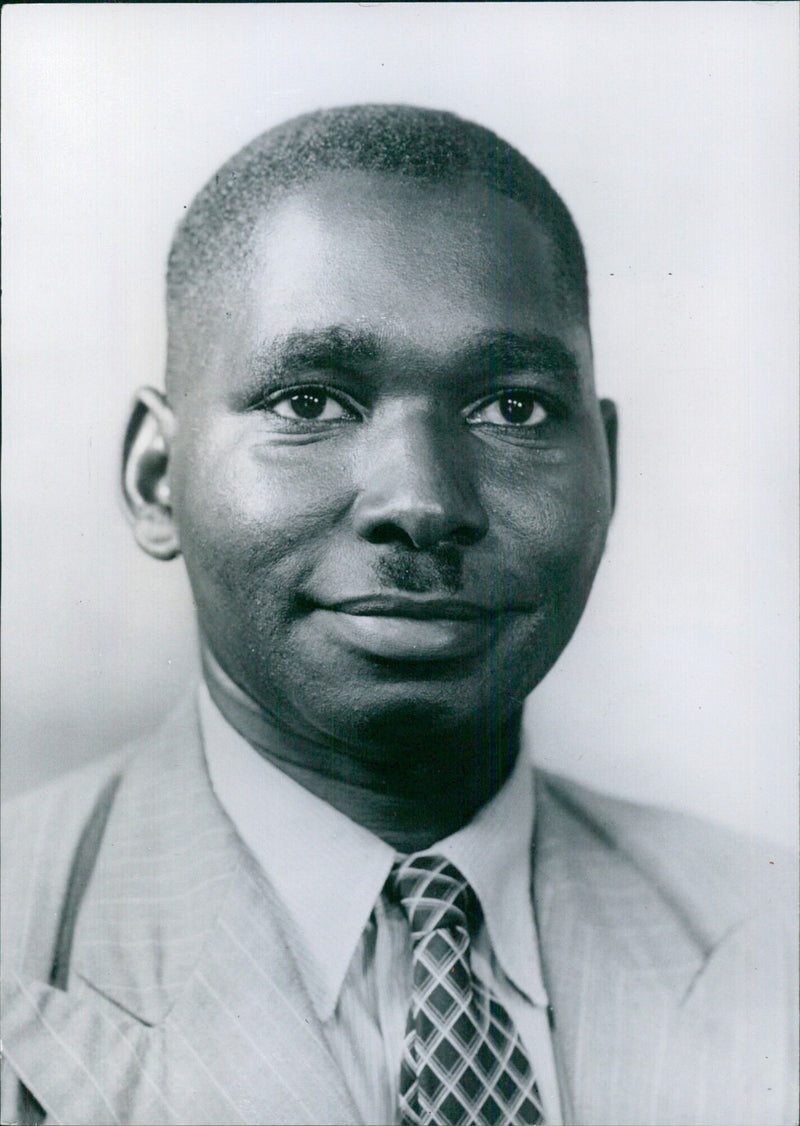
{"x": 666, "y": 964}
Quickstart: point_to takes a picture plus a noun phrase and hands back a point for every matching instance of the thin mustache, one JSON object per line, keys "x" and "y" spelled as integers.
{"x": 439, "y": 570}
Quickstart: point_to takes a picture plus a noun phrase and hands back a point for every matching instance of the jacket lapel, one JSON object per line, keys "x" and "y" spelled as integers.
{"x": 183, "y": 1004}
{"x": 646, "y": 987}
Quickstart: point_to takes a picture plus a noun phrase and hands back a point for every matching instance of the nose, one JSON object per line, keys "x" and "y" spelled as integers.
{"x": 418, "y": 489}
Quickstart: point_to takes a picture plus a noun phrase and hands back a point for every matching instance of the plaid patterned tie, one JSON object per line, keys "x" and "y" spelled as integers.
{"x": 463, "y": 1061}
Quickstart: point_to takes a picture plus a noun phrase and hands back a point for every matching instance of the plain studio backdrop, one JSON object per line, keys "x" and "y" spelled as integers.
{"x": 669, "y": 128}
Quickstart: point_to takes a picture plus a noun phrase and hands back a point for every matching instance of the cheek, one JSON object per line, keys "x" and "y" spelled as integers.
{"x": 245, "y": 512}
{"x": 554, "y": 526}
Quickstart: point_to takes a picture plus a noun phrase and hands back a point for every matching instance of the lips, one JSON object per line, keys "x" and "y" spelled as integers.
{"x": 417, "y": 608}
{"x": 404, "y": 628}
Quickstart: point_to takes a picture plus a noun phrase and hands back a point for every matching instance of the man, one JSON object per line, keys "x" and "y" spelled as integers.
{"x": 331, "y": 889}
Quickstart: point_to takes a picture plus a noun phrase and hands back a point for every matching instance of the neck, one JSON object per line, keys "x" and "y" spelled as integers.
{"x": 409, "y": 800}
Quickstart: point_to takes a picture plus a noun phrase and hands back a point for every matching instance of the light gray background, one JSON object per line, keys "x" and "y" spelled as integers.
{"x": 670, "y": 129}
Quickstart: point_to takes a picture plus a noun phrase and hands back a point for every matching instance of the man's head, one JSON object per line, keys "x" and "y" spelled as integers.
{"x": 382, "y": 456}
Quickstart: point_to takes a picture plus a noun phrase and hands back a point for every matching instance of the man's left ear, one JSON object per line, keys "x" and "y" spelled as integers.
{"x": 145, "y": 474}
{"x": 608, "y": 411}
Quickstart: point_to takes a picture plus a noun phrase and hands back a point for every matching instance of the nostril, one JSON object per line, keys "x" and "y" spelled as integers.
{"x": 390, "y": 533}
{"x": 423, "y": 538}
{"x": 465, "y": 536}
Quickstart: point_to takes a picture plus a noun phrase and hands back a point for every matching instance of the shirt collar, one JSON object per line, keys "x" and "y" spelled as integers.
{"x": 311, "y": 853}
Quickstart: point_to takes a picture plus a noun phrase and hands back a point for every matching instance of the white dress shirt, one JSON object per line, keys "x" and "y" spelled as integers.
{"x": 352, "y": 945}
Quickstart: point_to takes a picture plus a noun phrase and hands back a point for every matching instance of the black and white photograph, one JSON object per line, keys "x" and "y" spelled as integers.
{"x": 400, "y": 554}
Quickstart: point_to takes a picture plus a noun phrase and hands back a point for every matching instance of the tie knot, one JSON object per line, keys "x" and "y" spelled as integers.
{"x": 433, "y": 894}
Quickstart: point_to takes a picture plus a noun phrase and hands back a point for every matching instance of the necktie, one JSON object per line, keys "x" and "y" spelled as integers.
{"x": 463, "y": 1061}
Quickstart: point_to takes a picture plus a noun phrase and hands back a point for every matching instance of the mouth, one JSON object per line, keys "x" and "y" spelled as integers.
{"x": 406, "y": 628}
{"x": 418, "y": 608}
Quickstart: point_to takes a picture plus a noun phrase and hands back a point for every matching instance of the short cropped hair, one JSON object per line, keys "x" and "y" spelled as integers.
{"x": 428, "y": 145}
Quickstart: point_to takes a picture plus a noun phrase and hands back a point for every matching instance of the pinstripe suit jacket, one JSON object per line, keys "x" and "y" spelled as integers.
{"x": 666, "y": 963}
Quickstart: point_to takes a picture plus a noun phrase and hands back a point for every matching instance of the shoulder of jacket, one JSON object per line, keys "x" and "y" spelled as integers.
{"x": 63, "y": 804}
{"x": 41, "y": 831}
{"x": 710, "y": 872}
{"x": 57, "y": 795}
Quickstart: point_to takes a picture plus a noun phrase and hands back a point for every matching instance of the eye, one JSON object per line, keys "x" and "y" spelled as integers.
{"x": 308, "y": 404}
{"x": 513, "y": 407}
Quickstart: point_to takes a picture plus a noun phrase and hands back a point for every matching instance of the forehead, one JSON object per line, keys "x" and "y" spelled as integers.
{"x": 423, "y": 267}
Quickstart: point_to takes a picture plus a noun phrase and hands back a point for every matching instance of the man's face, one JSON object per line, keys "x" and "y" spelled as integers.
{"x": 389, "y": 470}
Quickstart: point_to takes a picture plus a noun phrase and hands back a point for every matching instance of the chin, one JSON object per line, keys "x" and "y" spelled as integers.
{"x": 419, "y": 712}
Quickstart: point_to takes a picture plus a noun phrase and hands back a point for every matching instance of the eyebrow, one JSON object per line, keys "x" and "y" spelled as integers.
{"x": 508, "y": 352}
{"x": 336, "y": 346}
{"x": 345, "y": 348}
